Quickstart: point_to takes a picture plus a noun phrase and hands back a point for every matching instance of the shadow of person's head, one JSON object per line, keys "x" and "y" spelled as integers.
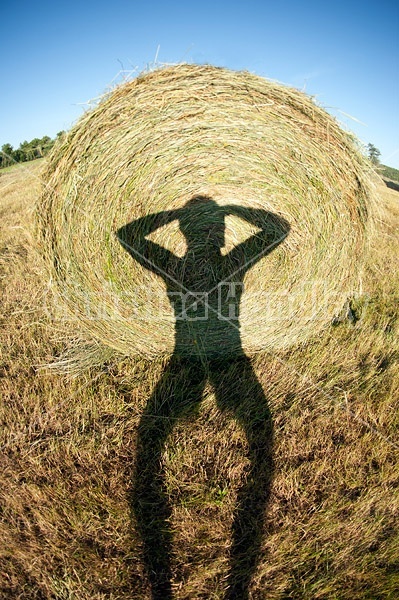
{"x": 202, "y": 223}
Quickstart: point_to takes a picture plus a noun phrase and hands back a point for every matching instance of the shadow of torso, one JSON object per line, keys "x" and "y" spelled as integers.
{"x": 207, "y": 316}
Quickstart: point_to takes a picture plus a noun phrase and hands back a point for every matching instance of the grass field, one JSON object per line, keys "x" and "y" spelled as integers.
{"x": 68, "y": 450}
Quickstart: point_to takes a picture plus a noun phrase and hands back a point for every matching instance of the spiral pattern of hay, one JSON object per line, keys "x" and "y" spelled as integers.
{"x": 238, "y": 143}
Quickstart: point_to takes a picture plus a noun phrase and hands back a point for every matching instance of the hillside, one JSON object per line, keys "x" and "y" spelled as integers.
{"x": 389, "y": 173}
{"x": 68, "y": 450}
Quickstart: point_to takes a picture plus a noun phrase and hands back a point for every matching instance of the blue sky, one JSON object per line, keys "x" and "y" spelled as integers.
{"x": 56, "y": 56}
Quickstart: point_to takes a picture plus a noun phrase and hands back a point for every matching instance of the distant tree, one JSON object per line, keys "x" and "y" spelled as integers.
{"x": 18, "y": 156}
{"x": 26, "y": 151}
{"x": 7, "y": 155}
{"x": 47, "y": 144}
{"x": 36, "y": 148}
{"x": 374, "y": 154}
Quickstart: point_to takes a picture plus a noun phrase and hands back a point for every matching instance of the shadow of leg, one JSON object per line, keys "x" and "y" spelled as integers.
{"x": 239, "y": 392}
{"x": 176, "y": 395}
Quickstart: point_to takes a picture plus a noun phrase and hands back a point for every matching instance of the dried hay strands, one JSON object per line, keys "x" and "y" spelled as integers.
{"x": 211, "y": 154}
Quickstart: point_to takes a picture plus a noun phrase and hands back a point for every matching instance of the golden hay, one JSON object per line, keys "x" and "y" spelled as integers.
{"x": 219, "y": 154}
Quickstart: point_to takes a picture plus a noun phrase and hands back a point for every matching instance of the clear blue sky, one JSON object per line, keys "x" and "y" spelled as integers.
{"x": 56, "y": 55}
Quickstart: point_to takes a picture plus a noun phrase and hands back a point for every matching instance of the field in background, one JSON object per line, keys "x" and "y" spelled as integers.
{"x": 68, "y": 449}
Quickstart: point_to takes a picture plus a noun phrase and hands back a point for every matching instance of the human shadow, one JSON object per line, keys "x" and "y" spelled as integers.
{"x": 204, "y": 288}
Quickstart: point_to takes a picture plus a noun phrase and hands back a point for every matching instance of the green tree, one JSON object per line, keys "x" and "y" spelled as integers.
{"x": 7, "y": 155}
{"x": 36, "y": 148}
{"x": 374, "y": 154}
{"x": 26, "y": 151}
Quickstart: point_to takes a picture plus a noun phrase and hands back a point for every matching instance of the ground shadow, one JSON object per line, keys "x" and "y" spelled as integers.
{"x": 393, "y": 185}
{"x": 204, "y": 288}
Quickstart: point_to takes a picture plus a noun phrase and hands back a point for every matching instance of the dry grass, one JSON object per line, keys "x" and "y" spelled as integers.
{"x": 184, "y": 131}
{"x": 68, "y": 450}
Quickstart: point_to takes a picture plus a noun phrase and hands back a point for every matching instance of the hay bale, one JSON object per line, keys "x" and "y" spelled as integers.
{"x": 260, "y": 157}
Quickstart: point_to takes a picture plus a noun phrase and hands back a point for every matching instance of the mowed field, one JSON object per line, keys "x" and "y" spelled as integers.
{"x": 68, "y": 448}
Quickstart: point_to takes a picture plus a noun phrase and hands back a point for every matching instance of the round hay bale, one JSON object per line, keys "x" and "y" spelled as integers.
{"x": 256, "y": 170}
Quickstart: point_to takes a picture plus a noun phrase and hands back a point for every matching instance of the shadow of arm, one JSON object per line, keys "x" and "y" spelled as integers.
{"x": 132, "y": 238}
{"x": 273, "y": 231}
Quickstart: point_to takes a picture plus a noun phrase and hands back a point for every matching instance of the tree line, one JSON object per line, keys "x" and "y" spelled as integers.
{"x": 36, "y": 148}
